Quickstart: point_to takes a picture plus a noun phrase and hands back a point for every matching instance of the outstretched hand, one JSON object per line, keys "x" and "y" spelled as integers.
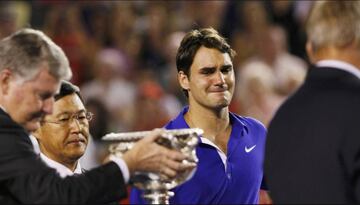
{"x": 149, "y": 156}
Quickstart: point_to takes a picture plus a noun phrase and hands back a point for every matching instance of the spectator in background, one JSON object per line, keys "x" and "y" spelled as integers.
{"x": 97, "y": 22}
{"x": 170, "y": 77}
{"x": 99, "y": 125}
{"x": 266, "y": 79}
{"x": 288, "y": 70}
{"x": 97, "y": 149}
{"x": 7, "y": 20}
{"x": 64, "y": 25}
{"x": 13, "y": 15}
{"x": 152, "y": 50}
{"x": 110, "y": 85}
{"x": 252, "y": 21}
{"x": 125, "y": 29}
{"x": 149, "y": 110}
{"x": 137, "y": 30}
{"x": 256, "y": 92}
{"x": 153, "y": 107}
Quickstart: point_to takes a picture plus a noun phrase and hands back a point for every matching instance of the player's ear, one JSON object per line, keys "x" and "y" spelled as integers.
{"x": 183, "y": 80}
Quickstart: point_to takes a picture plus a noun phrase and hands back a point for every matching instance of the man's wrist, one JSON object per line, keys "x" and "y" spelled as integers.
{"x": 122, "y": 165}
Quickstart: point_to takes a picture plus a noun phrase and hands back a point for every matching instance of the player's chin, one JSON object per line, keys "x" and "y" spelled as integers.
{"x": 222, "y": 104}
{"x": 224, "y": 101}
{"x": 222, "y": 97}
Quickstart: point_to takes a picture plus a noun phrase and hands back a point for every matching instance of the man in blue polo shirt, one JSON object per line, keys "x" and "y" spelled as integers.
{"x": 231, "y": 149}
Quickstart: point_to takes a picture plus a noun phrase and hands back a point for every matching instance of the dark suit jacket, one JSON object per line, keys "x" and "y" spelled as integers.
{"x": 24, "y": 178}
{"x": 313, "y": 143}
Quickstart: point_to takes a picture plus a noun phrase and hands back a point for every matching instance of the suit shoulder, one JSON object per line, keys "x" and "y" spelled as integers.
{"x": 13, "y": 137}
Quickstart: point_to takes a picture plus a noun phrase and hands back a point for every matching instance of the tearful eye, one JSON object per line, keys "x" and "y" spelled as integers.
{"x": 207, "y": 71}
{"x": 226, "y": 70}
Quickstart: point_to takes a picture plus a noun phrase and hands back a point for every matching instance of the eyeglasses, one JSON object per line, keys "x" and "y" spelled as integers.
{"x": 81, "y": 117}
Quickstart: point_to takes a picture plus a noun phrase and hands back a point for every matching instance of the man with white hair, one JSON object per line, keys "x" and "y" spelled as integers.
{"x": 313, "y": 143}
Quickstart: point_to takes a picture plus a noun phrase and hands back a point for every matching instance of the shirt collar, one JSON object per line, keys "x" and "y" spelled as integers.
{"x": 60, "y": 168}
{"x": 237, "y": 128}
{"x": 2, "y": 107}
{"x": 180, "y": 122}
{"x": 35, "y": 144}
{"x": 342, "y": 65}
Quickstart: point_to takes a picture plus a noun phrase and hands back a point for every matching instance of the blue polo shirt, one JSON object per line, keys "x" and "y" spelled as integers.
{"x": 235, "y": 179}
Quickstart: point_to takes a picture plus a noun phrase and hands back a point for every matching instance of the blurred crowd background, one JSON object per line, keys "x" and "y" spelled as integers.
{"x": 122, "y": 54}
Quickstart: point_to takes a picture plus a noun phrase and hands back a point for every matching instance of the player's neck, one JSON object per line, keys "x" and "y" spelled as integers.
{"x": 207, "y": 115}
{"x": 213, "y": 122}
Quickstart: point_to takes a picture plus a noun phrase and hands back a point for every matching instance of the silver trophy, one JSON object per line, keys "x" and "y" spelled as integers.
{"x": 156, "y": 187}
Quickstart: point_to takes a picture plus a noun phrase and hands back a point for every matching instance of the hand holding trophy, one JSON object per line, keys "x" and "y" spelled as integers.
{"x": 156, "y": 185}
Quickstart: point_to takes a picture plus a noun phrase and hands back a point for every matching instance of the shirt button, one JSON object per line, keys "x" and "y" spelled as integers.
{"x": 229, "y": 175}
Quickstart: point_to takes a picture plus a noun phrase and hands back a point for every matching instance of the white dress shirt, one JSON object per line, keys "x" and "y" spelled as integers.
{"x": 119, "y": 161}
{"x": 342, "y": 65}
{"x": 60, "y": 168}
{"x": 35, "y": 144}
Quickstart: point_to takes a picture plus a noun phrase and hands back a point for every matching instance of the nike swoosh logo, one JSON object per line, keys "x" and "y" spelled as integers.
{"x": 247, "y": 150}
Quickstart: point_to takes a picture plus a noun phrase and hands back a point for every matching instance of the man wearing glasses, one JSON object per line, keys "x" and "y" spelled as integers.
{"x": 63, "y": 135}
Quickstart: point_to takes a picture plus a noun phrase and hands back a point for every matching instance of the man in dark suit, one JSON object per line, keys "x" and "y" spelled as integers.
{"x": 313, "y": 143}
{"x": 31, "y": 69}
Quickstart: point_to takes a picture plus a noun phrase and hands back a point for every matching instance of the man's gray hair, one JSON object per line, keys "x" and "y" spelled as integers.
{"x": 25, "y": 50}
{"x": 334, "y": 23}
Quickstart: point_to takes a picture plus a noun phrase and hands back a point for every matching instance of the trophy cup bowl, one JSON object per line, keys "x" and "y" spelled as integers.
{"x": 156, "y": 187}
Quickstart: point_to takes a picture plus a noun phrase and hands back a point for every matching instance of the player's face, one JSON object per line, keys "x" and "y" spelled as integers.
{"x": 211, "y": 81}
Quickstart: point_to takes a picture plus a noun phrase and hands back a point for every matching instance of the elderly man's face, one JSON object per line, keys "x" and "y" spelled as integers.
{"x": 28, "y": 101}
{"x": 63, "y": 135}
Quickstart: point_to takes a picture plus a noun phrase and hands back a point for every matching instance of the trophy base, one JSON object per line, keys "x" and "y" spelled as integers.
{"x": 157, "y": 196}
